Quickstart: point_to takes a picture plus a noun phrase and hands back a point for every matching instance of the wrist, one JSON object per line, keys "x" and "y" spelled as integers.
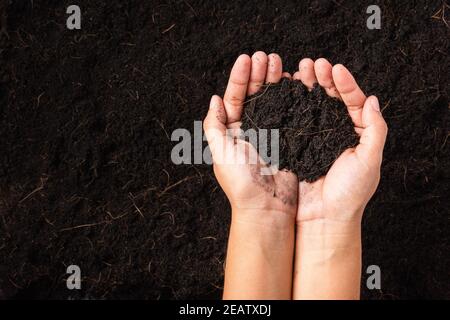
{"x": 325, "y": 234}
{"x": 260, "y": 255}
{"x": 261, "y": 229}
{"x": 264, "y": 219}
{"x": 327, "y": 260}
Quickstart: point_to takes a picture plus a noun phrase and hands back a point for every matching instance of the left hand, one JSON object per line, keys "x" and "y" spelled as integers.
{"x": 253, "y": 196}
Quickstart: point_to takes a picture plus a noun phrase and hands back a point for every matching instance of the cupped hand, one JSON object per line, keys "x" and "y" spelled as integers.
{"x": 235, "y": 169}
{"x": 343, "y": 193}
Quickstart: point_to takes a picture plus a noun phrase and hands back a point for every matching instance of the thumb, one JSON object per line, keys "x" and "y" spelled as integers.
{"x": 373, "y": 135}
{"x": 215, "y": 127}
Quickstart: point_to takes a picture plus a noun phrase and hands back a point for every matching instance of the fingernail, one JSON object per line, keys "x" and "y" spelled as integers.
{"x": 375, "y": 104}
{"x": 214, "y": 102}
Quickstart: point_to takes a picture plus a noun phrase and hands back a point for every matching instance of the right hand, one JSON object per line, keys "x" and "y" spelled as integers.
{"x": 341, "y": 195}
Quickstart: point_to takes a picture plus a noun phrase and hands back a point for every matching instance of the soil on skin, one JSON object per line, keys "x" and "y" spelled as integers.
{"x": 314, "y": 129}
{"x": 86, "y": 118}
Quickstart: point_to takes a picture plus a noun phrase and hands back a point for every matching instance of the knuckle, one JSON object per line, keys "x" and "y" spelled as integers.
{"x": 234, "y": 101}
{"x": 383, "y": 127}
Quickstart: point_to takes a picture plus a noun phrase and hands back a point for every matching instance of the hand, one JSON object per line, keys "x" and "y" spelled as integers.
{"x": 341, "y": 195}
{"x": 328, "y": 234}
{"x": 271, "y": 196}
{"x": 261, "y": 242}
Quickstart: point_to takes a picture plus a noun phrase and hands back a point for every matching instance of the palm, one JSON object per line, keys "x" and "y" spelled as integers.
{"x": 245, "y": 182}
{"x": 342, "y": 190}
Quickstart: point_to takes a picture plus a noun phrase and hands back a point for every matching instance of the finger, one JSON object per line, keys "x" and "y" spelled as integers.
{"x": 307, "y": 74}
{"x": 324, "y": 76}
{"x": 258, "y": 72}
{"x": 286, "y": 75}
{"x": 237, "y": 88}
{"x": 350, "y": 93}
{"x": 215, "y": 126}
{"x": 373, "y": 136}
{"x": 274, "y": 68}
{"x": 234, "y": 129}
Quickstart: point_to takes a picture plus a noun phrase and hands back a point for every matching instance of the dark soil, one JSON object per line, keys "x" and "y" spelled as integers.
{"x": 86, "y": 118}
{"x": 314, "y": 129}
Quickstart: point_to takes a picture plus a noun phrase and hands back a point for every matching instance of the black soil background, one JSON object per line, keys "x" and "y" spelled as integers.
{"x": 86, "y": 118}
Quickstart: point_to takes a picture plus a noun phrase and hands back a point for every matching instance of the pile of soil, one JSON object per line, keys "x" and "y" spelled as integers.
{"x": 314, "y": 129}
{"x": 86, "y": 118}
